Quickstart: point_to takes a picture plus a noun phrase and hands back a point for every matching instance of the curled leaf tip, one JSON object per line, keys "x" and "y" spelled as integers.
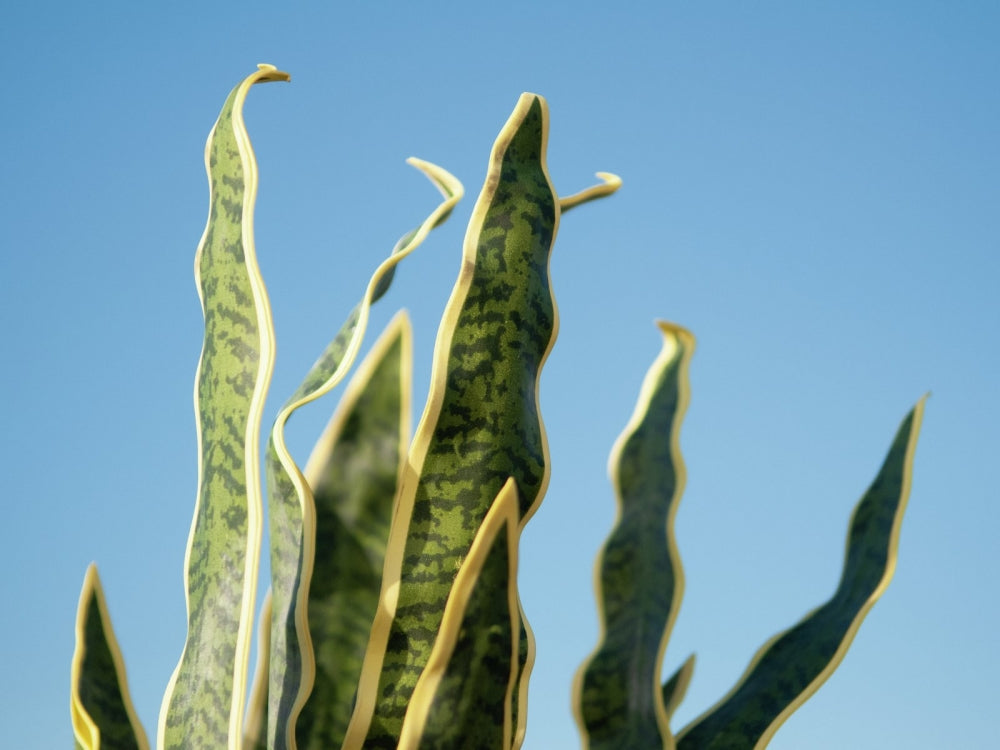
{"x": 612, "y": 180}
{"x": 271, "y": 73}
{"x": 609, "y": 184}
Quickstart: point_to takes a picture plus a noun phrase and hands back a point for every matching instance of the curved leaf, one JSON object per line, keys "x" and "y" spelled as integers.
{"x": 203, "y": 705}
{"x": 608, "y": 185}
{"x": 617, "y": 694}
{"x": 353, "y": 472}
{"x": 480, "y": 426}
{"x": 291, "y": 509}
{"x": 790, "y": 667}
{"x": 100, "y": 706}
{"x": 481, "y": 422}
{"x": 462, "y": 698}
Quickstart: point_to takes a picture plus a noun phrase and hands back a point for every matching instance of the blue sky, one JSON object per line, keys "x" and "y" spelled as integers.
{"x": 811, "y": 188}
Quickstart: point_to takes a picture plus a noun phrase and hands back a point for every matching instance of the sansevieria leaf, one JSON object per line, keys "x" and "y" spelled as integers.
{"x": 790, "y": 667}
{"x": 291, "y": 510}
{"x": 464, "y": 695}
{"x": 100, "y": 706}
{"x": 481, "y": 424}
{"x": 204, "y": 701}
{"x": 255, "y": 727}
{"x": 617, "y": 694}
{"x": 353, "y": 473}
{"x": 675, "y": 688}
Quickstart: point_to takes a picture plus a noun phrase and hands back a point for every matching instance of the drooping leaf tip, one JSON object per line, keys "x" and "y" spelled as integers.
{"x": 271, "y": 73}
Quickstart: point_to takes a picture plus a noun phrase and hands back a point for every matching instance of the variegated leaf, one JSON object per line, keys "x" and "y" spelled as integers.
{"x": 100, "y": 706}
{"x": 618, "y": 696}
{"x": 291, "y": 510}
{"x": 481, "y": 424}
{"x": 353, "y": 473}
{"x": 464, "y": 695}
{"x": 790, "y": 667}
{"x": 203, "y": 705}
{"x": 472, "y": 424}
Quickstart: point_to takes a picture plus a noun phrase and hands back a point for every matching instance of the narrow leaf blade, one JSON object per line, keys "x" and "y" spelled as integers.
{"x": 203, "y": 705}
{"x": 790, "y": 667}
{"x": 255, "y": 727}
{"x": 291, "y": 507}
{"x": 617, "y": 694}
{"x": 464, "y": 695}
{"x": 481, "y": 424}
{"x": 353, "y": 474}
{"x": 675, "y": 688}
{"x": 100, "y": 705}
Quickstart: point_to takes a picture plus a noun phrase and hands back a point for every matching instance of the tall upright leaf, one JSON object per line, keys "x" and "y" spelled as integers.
{"x": 353, "y": 472}
{"x": 481, "y": 424}
{"x": 291, "y": 509}
{"x": 100, "y": 706}
{"x": 464, "y": 697}
{"x": 203, "y": 705}
{"x": 790, "y": 667}
{"x": 618, "y": 698}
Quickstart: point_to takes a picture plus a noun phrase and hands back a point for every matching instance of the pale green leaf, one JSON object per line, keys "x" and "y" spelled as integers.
{"x": 203, "y": 705}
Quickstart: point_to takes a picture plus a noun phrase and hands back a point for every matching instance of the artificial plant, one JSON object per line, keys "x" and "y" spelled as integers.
{"x": 393, "y": 618}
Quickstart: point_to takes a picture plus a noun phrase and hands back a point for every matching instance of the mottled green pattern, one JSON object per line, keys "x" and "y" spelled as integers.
{"x": 285, "y": 520}
{"x": 290, "y": 503}
{"x": 354, "y": 483}
{"x": 207, "y": 689}
{"x": 487, "y": 428}
{"x": 640, "y": 579}
{"x": 97, "y": 690}
{"x": 790, "y": 667}
{"x": 470, "y": 703}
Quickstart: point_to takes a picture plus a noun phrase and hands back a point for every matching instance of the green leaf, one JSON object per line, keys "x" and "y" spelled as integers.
{"x": 100, "y": 706}
{"x": 675, "y": 688}
{"x": 353, "y": 472}
{"x": 791, "y": 666}
{"x": 255, "y": 726}
{"x": 203, "y": 705}
{"x": 464, "y": 695}
{"x": 481, "y": 423}
{"x": 291, "y": 509}
{"x": 617, "y": 693}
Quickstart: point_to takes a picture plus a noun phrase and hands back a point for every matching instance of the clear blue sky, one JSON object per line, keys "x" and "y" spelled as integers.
{"x": 812, "y": 188}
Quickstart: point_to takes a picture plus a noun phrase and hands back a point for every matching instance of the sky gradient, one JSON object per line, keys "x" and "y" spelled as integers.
{"x": 811, "y": 189}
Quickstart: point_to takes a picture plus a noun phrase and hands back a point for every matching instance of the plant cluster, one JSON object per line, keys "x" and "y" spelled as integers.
{"x": 393, "y": 618}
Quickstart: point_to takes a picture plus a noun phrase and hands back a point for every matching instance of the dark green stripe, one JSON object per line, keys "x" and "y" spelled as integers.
{"x": 488, "y": 428}
{"x": 800, "y": 659}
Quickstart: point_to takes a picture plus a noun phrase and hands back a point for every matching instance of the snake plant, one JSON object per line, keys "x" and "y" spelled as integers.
{"x": 392, "y": 618}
